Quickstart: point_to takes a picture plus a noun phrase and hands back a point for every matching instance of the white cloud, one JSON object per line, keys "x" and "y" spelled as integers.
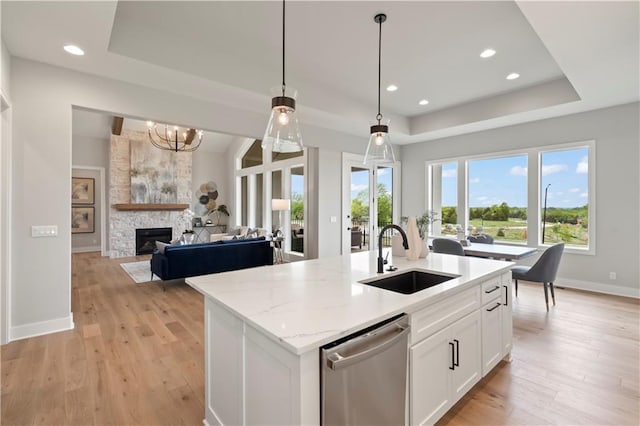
{"x": 566, "y": 201}
{"x": 474, "y": 180}
{"x": 482, "y": 198}
{"x": 358, "y": 188}
{"x": 584, "y": 194}
{"x": 574, "y": 190}
{"x": 553, "y": 168}
{"x": 518, "y": 171}
{"x": 449, "y": 173}
{"x": 382, "y": 171}
{"x": 583, "y": 166}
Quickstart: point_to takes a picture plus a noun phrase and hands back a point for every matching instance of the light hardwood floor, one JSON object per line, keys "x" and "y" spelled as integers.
{"x": 136, "y": 358}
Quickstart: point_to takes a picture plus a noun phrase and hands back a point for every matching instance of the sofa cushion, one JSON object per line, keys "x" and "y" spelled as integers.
{"x": 161, "y": 246}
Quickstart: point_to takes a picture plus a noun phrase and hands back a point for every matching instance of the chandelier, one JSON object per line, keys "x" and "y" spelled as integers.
{"x": 174, "y": 138}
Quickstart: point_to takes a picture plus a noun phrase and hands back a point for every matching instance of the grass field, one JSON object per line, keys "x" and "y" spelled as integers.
{"x": 515, "y": 230}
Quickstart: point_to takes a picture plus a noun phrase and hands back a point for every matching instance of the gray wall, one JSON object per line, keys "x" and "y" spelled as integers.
{"x": 92, "y": 152}
{"x": 210, "y": 166}
{"x": 43, "y": 98}
{"x": 616, "y": 133}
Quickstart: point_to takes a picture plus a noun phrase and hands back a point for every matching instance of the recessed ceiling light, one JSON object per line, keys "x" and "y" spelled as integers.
{"x": 513, "y": 76}
{"x": 423, "y": 102}
{"x": 74, "y": 50}
{"x": 487, "y": 53}
{"x": 392, "y": 88}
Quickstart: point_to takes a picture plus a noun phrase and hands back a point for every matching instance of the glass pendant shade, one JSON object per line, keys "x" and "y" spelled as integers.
{"x": 283, "y": 131}
{"x": 379, "y": 150}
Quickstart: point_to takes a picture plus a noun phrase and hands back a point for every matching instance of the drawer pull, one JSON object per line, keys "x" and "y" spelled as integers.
{"x": 492, "y": 290}
{"x": 453, "y": 357}
{"x": 494, "y": 308}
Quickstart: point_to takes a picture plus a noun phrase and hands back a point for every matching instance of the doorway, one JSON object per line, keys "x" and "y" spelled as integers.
{"x": 370, "y": 200}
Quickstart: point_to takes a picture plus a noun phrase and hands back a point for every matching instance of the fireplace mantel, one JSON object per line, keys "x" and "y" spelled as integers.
{"x": 150, "y": 206}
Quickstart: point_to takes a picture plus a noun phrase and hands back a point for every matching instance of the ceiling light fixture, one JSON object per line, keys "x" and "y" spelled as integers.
{"x": 74, "y": 50}
{"x": 174, "y": 139}
{"x": 487, "y": 53}
{"x": 379, "y": 150}
{"x": 392, "y": 88}
{"x": 424, "y": 102}
{"x": 513, "y": 76}
{"x": 283, "y": 132}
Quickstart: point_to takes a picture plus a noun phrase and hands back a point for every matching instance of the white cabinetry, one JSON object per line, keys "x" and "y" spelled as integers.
{"x": 497, "y": 324}
{"x": 444, "y": 366}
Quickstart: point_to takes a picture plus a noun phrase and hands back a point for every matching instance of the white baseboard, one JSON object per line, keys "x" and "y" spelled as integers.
{"x": 614, "y": 290}
{"x": 86, "y": 249}
{"x": 39, "y": 328}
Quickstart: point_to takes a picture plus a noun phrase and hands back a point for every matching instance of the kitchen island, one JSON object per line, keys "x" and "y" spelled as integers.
{"x": 264, "y": 327}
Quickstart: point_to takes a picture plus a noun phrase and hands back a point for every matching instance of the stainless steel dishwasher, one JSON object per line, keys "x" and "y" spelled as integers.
{"x": 364, "y": 376}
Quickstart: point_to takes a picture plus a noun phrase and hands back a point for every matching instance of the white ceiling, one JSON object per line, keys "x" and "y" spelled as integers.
{"x": 572, "y": 56}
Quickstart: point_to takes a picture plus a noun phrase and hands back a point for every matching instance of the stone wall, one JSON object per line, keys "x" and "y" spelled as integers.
{"x": 123, "y": 224}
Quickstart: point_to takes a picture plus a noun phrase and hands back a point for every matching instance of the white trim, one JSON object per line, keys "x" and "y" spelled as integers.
{"x": 615, "y": 290}
{"x": 86, "y": 249}
{"x": 40, "y": 328}
{"x": 6, "y": 147}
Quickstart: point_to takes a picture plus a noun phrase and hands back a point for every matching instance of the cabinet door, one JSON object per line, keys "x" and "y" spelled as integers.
{"x": 507, "y": 315}
{"x": 430, "y": 379}
{"x": 491, "y": 335}
{"x": 465, "y": 334}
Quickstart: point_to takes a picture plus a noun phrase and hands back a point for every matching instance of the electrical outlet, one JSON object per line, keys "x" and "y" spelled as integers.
{"x": 612, "y": 275}
{"x": 44, "y": 231}
{"x": 334, "y": 219}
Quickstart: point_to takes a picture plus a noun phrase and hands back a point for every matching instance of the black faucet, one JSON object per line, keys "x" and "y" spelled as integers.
{"x": 405, "y": 243}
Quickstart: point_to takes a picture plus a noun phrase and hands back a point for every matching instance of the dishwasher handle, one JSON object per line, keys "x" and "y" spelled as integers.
{"x": 336, "y": 361}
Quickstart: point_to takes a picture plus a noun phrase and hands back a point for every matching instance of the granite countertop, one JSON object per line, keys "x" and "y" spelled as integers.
{"x": 305, "y": 305}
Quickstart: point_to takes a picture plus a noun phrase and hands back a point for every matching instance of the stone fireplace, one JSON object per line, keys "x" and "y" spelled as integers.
{"x": 123, "y": 223}
{"x": 146, "y": 239}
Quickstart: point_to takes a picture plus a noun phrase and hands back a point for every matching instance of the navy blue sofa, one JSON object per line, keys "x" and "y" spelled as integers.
{"x": 183, "y": 261}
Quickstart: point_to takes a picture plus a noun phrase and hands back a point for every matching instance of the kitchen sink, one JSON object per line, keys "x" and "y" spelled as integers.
{"x": 408, "y": 282}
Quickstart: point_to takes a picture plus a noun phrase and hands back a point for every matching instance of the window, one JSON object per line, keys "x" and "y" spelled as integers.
{"x": 498, "y": 197}
{"x": 443, "y": 178}
{"x": 385, "y": 196}
{"x": 297, "y": 209}
{"x": 493, "y": 195}
{"x": 253, "y": 156}
{"x": 564, "y": 190}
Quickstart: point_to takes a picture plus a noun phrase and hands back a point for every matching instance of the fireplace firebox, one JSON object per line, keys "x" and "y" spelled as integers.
{"x": 146, "y": 238}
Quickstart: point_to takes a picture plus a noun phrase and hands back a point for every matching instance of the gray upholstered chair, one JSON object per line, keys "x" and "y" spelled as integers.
{"x": 480, "y": 238}
{"x": 543, "y": 271}
{"x": 447, "y": 246}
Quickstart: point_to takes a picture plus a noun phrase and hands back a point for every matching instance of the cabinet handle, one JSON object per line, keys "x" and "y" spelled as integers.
{"x": 494, "y": 308}
{"x": 453, "y": 361}
{"x": 457, "y": 363}
{"x": 492, "y": 290}
{"x": 506, "y": 295}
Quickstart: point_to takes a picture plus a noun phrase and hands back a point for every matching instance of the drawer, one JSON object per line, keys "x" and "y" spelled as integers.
{"x": 490, "y": 289}
{"x": 435, "y": 317}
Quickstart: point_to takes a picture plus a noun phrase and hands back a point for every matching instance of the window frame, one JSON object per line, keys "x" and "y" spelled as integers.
{"x": 534, "y": 190}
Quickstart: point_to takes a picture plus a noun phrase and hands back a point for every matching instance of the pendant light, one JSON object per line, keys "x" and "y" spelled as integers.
{"x": 379, "y": 150}
{"x": 283, "y": 132}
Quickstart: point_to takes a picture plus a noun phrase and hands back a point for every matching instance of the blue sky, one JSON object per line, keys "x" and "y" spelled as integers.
{"x": 360, "y": 180}
{"x": 496, "y": 180}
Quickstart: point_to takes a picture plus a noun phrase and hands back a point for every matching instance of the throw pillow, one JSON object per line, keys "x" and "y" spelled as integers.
{"x": 161, "y": 246}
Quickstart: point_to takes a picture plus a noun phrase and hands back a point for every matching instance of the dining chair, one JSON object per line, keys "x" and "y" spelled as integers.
{"x": 480, "y": 238}
{"x": 543, "y": 271}
{"x": 447, "y": 246}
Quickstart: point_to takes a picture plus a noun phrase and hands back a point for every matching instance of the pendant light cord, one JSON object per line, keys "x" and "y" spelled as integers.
{"x": 379, "y": 116}
{"x": 283, "y": 16}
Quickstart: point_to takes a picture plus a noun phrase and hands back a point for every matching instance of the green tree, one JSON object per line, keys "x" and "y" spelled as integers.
{"x": 297, "y": 206}
{"x": 450, "y": 215}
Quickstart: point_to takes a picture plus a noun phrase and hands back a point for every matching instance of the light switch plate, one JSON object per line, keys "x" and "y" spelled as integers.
{"x": 44, "y": 231}
{"x": 334, "y": 219}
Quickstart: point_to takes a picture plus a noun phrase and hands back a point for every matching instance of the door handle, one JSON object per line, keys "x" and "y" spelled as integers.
{"x": 348, "y": 229}
{"x": 457, "y": 363}
{"x": 506, "y": 295}
{"x": 453, "y": 359}
{"x": 494, "y": 308}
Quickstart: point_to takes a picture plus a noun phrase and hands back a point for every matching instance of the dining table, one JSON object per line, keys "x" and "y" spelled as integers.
{"x": 496, "y": 251}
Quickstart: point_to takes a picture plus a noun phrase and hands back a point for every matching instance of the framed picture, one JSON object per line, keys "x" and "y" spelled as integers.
{"x": 82, "y": 190}
{"x": 82, "y": 220}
